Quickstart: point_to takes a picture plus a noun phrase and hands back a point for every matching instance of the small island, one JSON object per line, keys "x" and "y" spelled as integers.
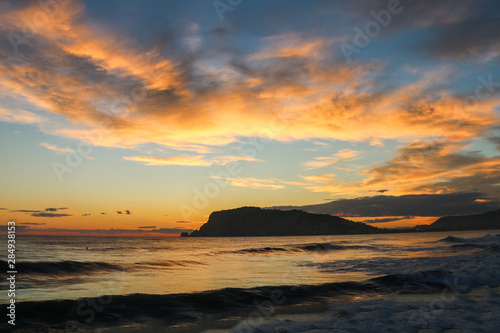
{"x": 254, "y": 221}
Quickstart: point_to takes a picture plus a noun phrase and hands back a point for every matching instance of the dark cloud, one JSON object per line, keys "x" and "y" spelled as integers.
{"x": 388, "y": 219}
{"x": 44, "y": 214}
{"x": 171, "y": 230}
{"x": 182, "y": 221}
{"x": 37, "y": 211}
{"x": 102, "y": 231}
{"x": 471, "y": 37}
{"x": 119, "y": 212}
{"x": 128, "y": 212}
{"x": 31, "y": 223}
{"x": 484, "y": 182}
{"x": 495, "y": 140}
{"x": 405, "y": 205}
{"x": 147, "y": 227}
{"x": 55, "y": 209}
{"x": 458, "y": 29}
{"x": 103, "y": 213}
{"x": 19, "y": 228}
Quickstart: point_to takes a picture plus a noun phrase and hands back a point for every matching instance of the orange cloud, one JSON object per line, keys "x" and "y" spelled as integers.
{"x": 319, "y": 162}
{"x": 55, "y": 148}
{"x": 290, "y": 89}
{"x": 198, "y": 160}
{"x": 255, "y": 183}
{"x": 19, "y": 116}
{"x": 175, "y": 160}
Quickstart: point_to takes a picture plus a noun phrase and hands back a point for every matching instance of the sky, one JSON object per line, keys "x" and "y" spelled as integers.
{"x": 143, "y": 117}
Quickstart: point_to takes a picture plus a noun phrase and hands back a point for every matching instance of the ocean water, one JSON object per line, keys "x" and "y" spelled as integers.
{"x": 173, "y": 282}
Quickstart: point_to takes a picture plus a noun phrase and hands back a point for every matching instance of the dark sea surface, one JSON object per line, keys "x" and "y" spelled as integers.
{"x": 106, "y": 283}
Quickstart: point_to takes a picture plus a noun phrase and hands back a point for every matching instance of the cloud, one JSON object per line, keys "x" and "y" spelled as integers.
{"x": 198, "y": 160}
{"x": 388, "y": 219}
{"x": 56, "y": 149}
{"x": 98, "y": 83}
{"x": 147, "y": 227}
{"x": 171, "y": 230}
{"x": 19, "y": 228}
{"x": 419, "y": 166}
{"x": 131, "y": 95}
{"x": 457, "y": 30}
{"x": 112, "y": 231}
{"x": 25, "y": 211}
{"x": 495, "y": 140}
{"x": 323, "y": 178}
{"x": 405, "y": 205}
{"x": 119, "y": 212}
{"x": 289, "y": 46}
{"x": 469, "y": 37}
{"x": 250, "y": 182}
{"x": 319, "y": 162}
{"x": 127, "y": 212}
{"x": 19, "y": 116}
{"x": 44, "y": 214}
{"x": 182, "y": 221}
{"x": 31, "y": 223}
{"x": 175, "y": 160}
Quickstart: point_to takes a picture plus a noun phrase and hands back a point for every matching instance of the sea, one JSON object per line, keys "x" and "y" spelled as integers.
{"x": 401, "y": 282}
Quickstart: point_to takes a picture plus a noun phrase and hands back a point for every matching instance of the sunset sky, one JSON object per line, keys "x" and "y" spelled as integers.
{"x": 145, "y": 116}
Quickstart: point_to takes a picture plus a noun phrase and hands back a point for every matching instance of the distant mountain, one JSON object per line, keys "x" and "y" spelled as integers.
{"x": 484, "y": 221}
{"x": 254, "y": 221}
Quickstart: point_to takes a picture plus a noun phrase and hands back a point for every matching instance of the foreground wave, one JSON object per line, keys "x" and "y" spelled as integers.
{"x": 313, "y": 247}
{"x": 67, "y": 267}
{"x": 174, "y": 310}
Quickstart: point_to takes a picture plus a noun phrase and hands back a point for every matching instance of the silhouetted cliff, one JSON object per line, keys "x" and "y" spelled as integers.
{"x": 254, "y": 221}
{"x": 484, "y": 221}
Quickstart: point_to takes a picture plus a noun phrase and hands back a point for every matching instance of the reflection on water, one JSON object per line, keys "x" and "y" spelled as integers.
{"x": 73, "y": 267}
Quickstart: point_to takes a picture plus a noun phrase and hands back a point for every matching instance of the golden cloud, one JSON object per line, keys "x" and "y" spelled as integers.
{"x": 290, "y": 89}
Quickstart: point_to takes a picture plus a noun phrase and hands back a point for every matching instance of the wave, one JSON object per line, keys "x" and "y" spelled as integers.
{"x": 493, "y": 248}
{"x": 313, "y": 247}
{"x": 263, "y": 250}
{"x": 58, "y": 267}
{"x": 487, "y": 238}
{"x": 467, "y": 246}
{"x": 328, "y": 247}
{"x": 188, "y": 308}
{"x": 169, "y": 263}
{"x": 78, "y": 267}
